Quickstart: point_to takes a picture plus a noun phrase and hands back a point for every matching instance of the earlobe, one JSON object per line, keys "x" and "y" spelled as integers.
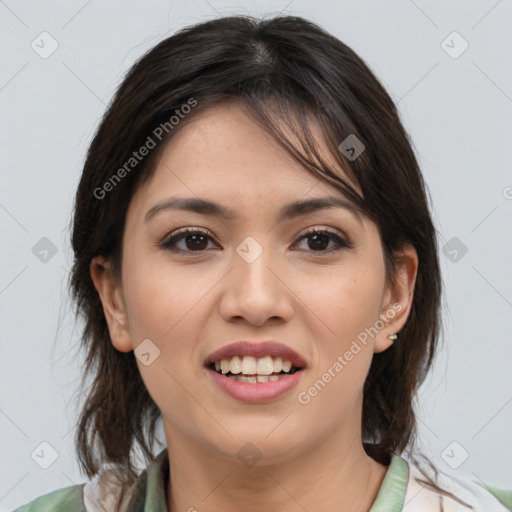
{"x": 110, "y": 293}
{"x": 398, "y": 297}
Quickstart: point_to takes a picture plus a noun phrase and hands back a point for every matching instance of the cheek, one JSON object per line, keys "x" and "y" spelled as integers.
{"x": 160, "y": 298}
{"x": 349, "y": 306}
{"x": 359, "y": 302}
{"x": 344, "y": 302}
{"x": 166, "y": 304}
{"x": 159, "y": 307}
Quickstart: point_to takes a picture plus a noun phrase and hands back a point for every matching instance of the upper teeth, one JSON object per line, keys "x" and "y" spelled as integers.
{"x": 249, "y": 365}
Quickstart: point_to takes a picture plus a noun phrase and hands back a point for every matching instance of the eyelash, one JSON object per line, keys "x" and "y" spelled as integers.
{"x": 170, "y": 242}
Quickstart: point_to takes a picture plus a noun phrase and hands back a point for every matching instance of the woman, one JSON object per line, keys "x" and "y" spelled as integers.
{"x": 256, "y": 264}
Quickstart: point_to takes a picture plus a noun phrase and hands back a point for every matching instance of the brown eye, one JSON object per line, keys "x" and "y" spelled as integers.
{"x": 194, "y": 241}
{"x": 319, "y": 239}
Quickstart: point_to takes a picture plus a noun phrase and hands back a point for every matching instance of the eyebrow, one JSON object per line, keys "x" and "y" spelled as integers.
{"x": 288, "y": 211}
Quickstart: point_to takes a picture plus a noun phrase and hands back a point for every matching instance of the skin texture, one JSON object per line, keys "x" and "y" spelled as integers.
{"x": 314, "y": 300}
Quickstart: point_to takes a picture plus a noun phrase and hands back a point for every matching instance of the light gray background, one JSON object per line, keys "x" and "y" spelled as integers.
{"x": 457, "y": 110}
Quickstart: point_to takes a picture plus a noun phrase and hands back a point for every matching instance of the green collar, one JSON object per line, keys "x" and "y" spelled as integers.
{"x": 149, "y": 494}
{"x": 391, "y": 494}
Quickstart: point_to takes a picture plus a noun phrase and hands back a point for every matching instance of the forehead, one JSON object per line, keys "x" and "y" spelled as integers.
{"x": 222, "y": 153}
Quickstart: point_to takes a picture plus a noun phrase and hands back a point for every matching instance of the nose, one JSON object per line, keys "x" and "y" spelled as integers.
{"x": 256, "y": 291}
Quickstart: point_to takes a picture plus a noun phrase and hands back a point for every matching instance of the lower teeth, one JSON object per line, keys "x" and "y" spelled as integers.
{"x": 256, "y": 378}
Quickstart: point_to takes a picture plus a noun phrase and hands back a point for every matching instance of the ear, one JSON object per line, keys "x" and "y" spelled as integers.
{"x": 111, "y": 296}
{"x": 398, "y": 296}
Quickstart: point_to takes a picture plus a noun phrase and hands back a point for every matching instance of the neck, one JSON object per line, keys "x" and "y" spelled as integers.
{"x": 330, "y": 476}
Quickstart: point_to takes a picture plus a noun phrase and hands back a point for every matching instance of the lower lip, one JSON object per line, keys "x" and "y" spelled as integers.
{"x": 257, "y": 392}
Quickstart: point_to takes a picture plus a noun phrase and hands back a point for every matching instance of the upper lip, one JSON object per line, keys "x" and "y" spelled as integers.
{"x": 257, "y": 350}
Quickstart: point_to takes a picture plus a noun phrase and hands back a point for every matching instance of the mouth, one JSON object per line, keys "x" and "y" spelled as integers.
{"x": 262, "y": 361}
{"x": 251, "y": 369}
{"x": 255, "y": 380}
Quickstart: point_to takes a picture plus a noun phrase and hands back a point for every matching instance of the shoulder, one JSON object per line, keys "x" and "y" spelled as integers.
{"x": 468, "y": 494}
{"x": 67, "y": 499}
{"x": 99, "y": 493}
{"x": 104, "y": 490}
{"x": 504, "y": 496}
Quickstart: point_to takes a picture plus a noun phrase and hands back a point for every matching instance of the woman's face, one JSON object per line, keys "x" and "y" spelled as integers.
{"x": 252, "y": 276}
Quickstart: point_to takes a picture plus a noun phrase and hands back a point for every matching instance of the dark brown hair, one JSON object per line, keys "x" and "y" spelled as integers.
{"x": 285, "y": 71}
